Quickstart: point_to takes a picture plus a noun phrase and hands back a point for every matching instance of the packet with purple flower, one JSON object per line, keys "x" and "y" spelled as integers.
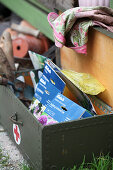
{"x": 50, "y": 84}
{"x": 37, "y": 109}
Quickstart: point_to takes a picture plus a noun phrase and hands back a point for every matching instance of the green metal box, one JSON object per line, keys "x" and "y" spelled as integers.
{"x": 58, "y": 145}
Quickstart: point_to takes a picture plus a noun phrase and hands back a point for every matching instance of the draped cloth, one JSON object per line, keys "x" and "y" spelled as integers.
{"x": 71, "y": 27}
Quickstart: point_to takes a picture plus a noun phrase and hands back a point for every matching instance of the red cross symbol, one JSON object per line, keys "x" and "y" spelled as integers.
{"x": 16, "y": 133}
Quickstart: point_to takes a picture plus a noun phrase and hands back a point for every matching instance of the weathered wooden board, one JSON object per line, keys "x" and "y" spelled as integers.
{"x": 98, "y": 62}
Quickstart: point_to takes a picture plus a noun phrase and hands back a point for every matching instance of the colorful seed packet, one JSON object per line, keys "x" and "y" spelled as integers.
{"x": 38, "y": 60}
{"x": 63, "y": 109}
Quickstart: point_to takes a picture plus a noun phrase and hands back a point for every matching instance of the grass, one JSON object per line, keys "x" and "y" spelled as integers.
{"x": 98, "y": 163}
{"x": 25, "y": 167}
{"x": 3, "y": 160}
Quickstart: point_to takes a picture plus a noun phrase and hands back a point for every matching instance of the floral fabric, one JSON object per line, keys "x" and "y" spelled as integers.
{"x": 71, "y": 27}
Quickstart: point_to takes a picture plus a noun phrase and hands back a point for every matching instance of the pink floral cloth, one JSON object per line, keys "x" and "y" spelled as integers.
{"x": 71, "y": 27}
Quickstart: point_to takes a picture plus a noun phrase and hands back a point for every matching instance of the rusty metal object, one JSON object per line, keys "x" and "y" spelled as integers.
{"x": 6, "y": 44}
{"x": 3, "y": 81}
{"x": 24, "y": 43}
{"x": 5, "y": 66}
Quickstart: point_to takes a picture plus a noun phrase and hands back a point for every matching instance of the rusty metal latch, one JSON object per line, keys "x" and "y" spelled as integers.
{"x": 14, "y": 119}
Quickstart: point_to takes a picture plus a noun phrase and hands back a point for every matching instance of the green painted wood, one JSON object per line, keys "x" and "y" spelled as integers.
{"x": 37, "y": 3}
{"x": 111, "y": 4}
{"x": 31, "y": 13}
{"x": 59, "y": 145}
